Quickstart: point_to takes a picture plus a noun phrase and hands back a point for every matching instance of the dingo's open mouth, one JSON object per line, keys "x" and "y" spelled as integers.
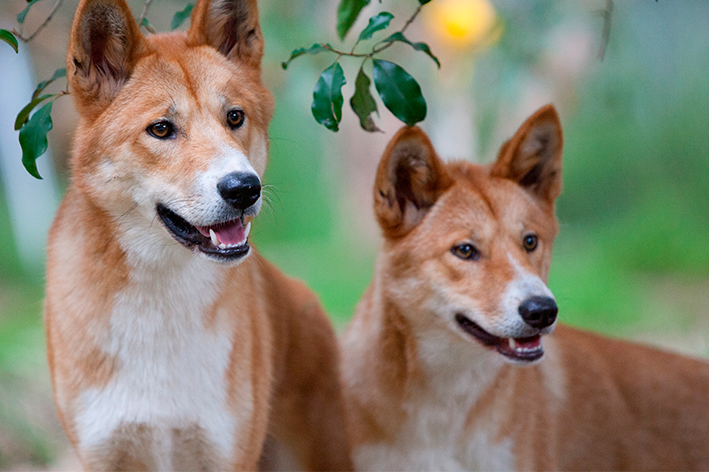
{"x": 519, "y": 349}
{"x": 225, "y": 241}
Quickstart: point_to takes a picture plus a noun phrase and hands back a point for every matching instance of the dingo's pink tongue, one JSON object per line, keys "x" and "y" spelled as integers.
{"x": 231, "y": 234}
{"x": 227, "y": 233}
{"x": 529, "y": 343}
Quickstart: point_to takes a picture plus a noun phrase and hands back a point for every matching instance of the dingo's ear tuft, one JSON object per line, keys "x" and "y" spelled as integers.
{"x": 103, "y": 48}
{"x": 532, "y": 158}
{"x": 409, "y": 180}
{"x": 229, "y": 26}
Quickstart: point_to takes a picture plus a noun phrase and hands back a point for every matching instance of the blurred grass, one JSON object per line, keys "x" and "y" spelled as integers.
{"x": 635, "y": 204}
{"x": 25, "y": 408}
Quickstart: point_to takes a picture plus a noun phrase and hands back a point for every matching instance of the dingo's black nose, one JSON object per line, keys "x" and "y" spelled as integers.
{"x": 240, "y": 189}
{"x": 539, "y": 312}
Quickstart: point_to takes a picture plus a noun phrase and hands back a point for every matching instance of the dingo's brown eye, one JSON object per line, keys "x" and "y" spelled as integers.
{"x": 161, "y": 130}
{"x": 530, "y": 242}
{"x": 235, "y": 118}
{"x": 466, "y": 251}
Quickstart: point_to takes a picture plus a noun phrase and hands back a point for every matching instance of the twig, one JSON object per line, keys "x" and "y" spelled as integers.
{"x": 145, "y": 11}
{"x": 148, "y": 27}
{"x": 411, "y": 20}
{"x": 606, "y": 35}
{"x": 56, "y": 7}
{"x": 49, "y": 18}
{"x": 375, "y": 50}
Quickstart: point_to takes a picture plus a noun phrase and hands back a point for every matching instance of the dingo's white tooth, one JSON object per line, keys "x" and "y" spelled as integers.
{"x": 513, "y": 343}
{"x": 213, "y": 236}
{"x": 247, "y": 230}
{"x": 222, "y": 246}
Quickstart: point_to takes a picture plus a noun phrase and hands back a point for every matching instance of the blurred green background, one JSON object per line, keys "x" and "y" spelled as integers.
{"x": 632, "y": 259}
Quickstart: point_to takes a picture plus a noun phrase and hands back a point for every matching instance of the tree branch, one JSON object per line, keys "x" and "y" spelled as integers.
{"x": 375, "y": 50}
{"x": 56, "y": 7}
{"x": 606, "y": 35}
{"x": 145, "y": 11}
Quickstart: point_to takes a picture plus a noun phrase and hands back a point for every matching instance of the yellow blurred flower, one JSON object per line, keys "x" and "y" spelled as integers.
{"x": 462, "y": 23}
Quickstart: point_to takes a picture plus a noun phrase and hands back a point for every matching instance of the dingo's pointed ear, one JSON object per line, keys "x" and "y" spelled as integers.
{"x": 103, "y": 48}
{"x": 532, "y": 158}
{"x": 409, "y": 180}
{"x": 231, "y": 27}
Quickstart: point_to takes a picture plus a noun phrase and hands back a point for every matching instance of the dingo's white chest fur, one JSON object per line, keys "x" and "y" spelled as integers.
{"x": 171, "y": 366}
{"x": 435, "y": 435}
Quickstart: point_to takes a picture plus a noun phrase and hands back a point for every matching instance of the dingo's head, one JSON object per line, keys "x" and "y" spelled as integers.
{"x": 173, "y": 127}
{"x": 468, "y": 248}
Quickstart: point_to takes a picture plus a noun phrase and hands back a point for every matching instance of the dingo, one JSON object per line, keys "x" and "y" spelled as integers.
{"x": 171, "y": 347}
{"x": 443, "y": 361}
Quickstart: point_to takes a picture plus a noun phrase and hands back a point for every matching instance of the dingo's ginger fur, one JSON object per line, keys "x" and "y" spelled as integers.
{"x": 459, "y": 296}
{"x": 170, "y": 346}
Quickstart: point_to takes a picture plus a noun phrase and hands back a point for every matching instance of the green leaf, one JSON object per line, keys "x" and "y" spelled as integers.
{"x": 25, "y": 112}
{"x": 148, "y": 27}
{"x": 9, "y": 38}
{"x": 181, "y": 16}
{"x": 314, "y": 49}
{"x": 23, "y": 14}
{"x": 400, "y": 92}
{"x": 423, "y": 47}
{"x": 363, "y": 103}
{"x": 347, "y": 13}
{"x": 33, "y": 138}
{"x": 327, "y": 97}
{"x": 423, "y": 2}
{"x": 376, "y": 23}
{"x": 58, "y": 74}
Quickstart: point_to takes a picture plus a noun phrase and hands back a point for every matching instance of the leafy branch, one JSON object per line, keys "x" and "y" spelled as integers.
{"x": 34, "y": 129}
{"x": 398, "y": 90}
{"x": 23, "y": 14}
